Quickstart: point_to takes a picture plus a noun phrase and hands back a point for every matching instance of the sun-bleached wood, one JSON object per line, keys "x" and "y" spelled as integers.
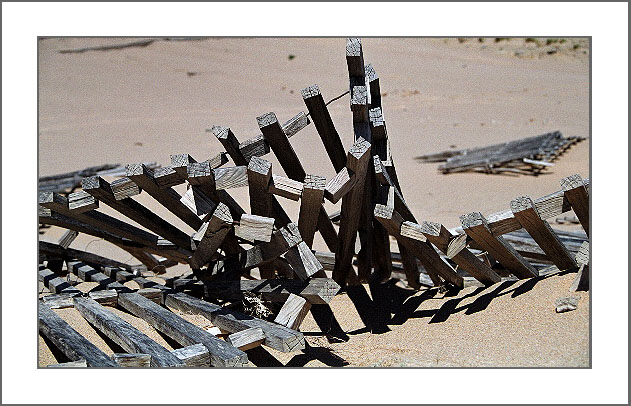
{"x": 477, "y": 227}
{"x": 295, "y": 124}
{"x": 285, "y": 187}
{"x": 230, "y": 143}
{"x": 438, "y": 235}
{"x": 255, "y": 228}
{"x": 166, "y": 176}
{"x": 222, "y": 354}
{"x": 218, "y": 227}
{"x": 231, "y": 177}
{"x": 132, "y": 360}
{"x": 195, "y": 355}
{"x": 324, "y": 125}
{"x": 293, "y": 312}
{"x": 123, "y": 188}
{"x": 303, "y": 261}
{"x": 357, "y": 161}
{"x": 392, "y": 222}
{"x": 81, "y": 202}
{"x": 124, "y": 334}
{"x": 581, "y": 282}
{"x": 67, "y": 340}
{"x": 526, "y": 213}
{"x": 277, "y": 337}
{"x": 198, "y": 203}
{"x": 315, "y": 290}
{"x": 256, "y": 146}
{"x": 200, "y": 173}
{"x": 72, "y": 364}
{"x": 310, "y": 203}
{"x": 575, "y": 192}
{"x": 246, "y": 339}
{"x": 340, "y": 185}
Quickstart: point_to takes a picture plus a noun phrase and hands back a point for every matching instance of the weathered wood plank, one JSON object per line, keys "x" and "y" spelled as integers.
{"x": 246, "y": 339}
{"x": 230, "y": 144}
{"x": 124, "y": 334}
{"x": 72, "y": 344}
{"x": 81, "y": 202}
{"x": 195, "y": 355}
{"x": 293, "y": 312}
{"x": 575, "y": 192}
{"x": 340, "y": 185}
{"x": 526, "y": 213}
{"x": 132, "y": 360}
{"x": 67, "y": 239}
{"x": 315, "y": 290}
{"x": 310, "y": 203}
{"x": 55, "y": 284}
{"x": 285, "y": 187}
{"x": 477, "y": 227}
{"x": 277, "y": 337}
{"x": 255, "y": 228}
{"x": 123, "y": 188}
{"x": 222, "y": 354}
{"x": 438, "y": 235}
{"x": 169, "y": 198}
{"x": 430, "y": 259}
{"x": 295, "y": 124}
{"x": 100, "y": 189}
{"x": 324, "y": 125}
{"x": 72, "y": 364}
{"x": 60, "y": 252}
{"x": 219, "y": 225}
{"x": 231, "y": 177}
{"x": 254, "y": 147}
{"x": 303, "y": 261}
{"x": 357, "y": 161}
{"x": 581, "y": 282}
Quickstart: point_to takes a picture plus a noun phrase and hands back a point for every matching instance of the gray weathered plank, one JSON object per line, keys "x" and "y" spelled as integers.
{"x": 247, "y": 339}
{"x": 310, "y": 203}
{"x": 575, "y": 192}
{"x": 293, "y": 312}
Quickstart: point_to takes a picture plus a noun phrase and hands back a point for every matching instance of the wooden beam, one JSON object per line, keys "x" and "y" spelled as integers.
{"x": 575, "y": 192}
{"x": 310, "y": 203}
{"x": 303, "y": 261}
{"x": 132, "y": 360}
{"x": 222, "y": 354}
{"x": 285, "y": 187}
{"x": 324, "y": 125}
{"x": 477, "y": 227}
{"x": 100, "y": 189}
{"x": 581, "y": 282}
{"x": 70, "y": 253}
{"x": 526, "y": 213}
{"x": 218, "y": 227}
{"x": 123, "y": 188}
{"x": 295, "y": 124}
{"x": 357, "y": 161}
{"x": 198, "y": 203}
{"x": 81, "y": 202}
{"x": 430, "y": 259}
{"x": 231, "y": 177}
{"x": 277, "y": 337}
{"x": 255, "y": 228}
{"x": 67, "y": 238}
{"x": 72, "y": 344}
{"x": 55, "y": 284}
{"x": 124, "y": 334}
{"x": 88, "y": 273}
{"x": 315, "y": 290}
{"x": 293, "y": 312}
{"x": 195, "y": 355}
{"x": 230, "y": 144}
{"x": 254, "y": 147}
{"x": 246, "y": 339}
{"x": 438, "y": 235}
{"x": 340, "y": 185}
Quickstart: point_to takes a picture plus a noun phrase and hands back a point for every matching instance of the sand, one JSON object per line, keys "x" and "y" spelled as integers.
{"x": 143, "y": 104}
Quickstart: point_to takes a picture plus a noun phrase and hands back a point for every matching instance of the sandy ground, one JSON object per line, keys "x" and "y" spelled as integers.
{"x": 143, "y": 104}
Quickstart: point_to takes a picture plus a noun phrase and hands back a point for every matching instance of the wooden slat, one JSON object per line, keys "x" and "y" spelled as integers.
{"x": 219, "y": 225}
{"x": 581, "y": 282}
{"x": 67, "y": 239}
{"x": 324, "y": 125}
{"x": 100, "y": 189}
{"x": 310, "y": 203}
{"x": 392, "y": 222}
{"x": 303, "y": 261}
{"x": 55, "y": 284}
{"x": 231, "y": 177}
{"x": 169, "y": 198}
{"x": 246, "y": 339}
{"x": 282, "y": 240}
{"x": 255, "y": 228}
{"x": 315, "y": 290}
{"x": 295, "y": 124}
{"x": 124, "y": 334}
{"x": 123, "y": 188}
{"x": 340, "y": 185}
{"x": 60, "y": 252}
{"x": 254, "y": 147}
{"x": 285, "y": 187}
{"x": 575, "y": 192}
{"x": 230, "y": 144}
{"x": 277, "y": 337}
{"x": 357, "y": 161}
{"x": 526, "y": 213}
{"x": 81, "y": 202}
{"x": 195, "y": 355}
{"x": 438, "y": 235}
{"x": 132, "y": 360}
{"x": 477, "y": 227}
{"x": 72, "y": 344}
{"x": 198, "y": 203}
{"x": 88, "y": 273}
{"x": 222, "y": 354}
{"x": 293, "y": 312}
